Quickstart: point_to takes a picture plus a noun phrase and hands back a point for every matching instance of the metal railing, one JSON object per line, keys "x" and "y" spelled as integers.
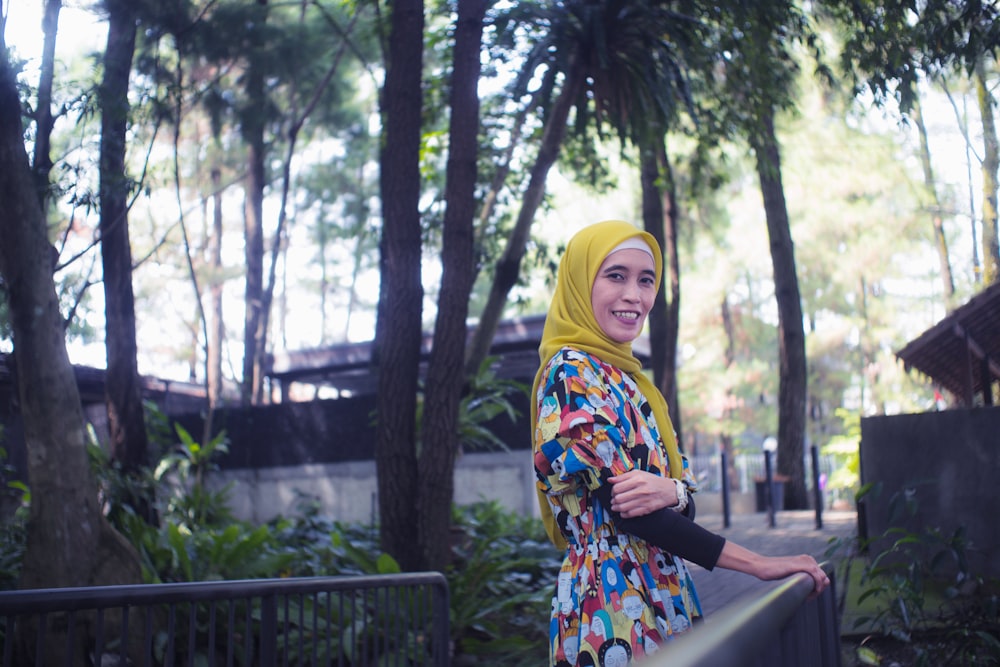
{"x": 779, "y": 628}
{"x": 349, "y": 621}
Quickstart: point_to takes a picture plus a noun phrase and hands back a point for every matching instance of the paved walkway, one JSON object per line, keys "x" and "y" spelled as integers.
{"x": 795, "y": 532}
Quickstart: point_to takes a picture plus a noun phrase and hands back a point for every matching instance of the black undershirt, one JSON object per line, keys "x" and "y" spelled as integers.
{"x": 669, "y": 530}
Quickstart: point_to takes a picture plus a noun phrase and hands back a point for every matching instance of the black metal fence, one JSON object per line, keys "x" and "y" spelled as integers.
{"x": 780, "y": 628}
{"x": 352, "y": 621}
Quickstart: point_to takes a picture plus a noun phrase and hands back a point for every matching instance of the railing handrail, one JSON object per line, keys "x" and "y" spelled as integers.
{"x": 35, "y": 600}
{"x": 743, "y": 630}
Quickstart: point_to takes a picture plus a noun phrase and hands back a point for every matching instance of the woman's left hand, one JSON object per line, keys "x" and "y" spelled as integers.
{"x": 637, "y": 492}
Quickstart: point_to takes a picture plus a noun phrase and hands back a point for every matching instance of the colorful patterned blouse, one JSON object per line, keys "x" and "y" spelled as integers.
{"x": 617, "y": 598}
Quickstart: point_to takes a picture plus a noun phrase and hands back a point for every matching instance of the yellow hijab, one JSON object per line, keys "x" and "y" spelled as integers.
{"x": 571, "y": 323}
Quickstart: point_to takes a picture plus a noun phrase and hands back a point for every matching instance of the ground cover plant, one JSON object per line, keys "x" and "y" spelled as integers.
{"x": 910, "y": 598}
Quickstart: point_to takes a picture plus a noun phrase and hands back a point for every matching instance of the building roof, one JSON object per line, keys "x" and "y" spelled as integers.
{"x": 961, "y": 353}
{"x": 346, "y": 367}
{"x": 173, "y": 396}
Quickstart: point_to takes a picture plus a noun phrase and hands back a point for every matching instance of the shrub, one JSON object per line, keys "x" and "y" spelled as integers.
{"x": 918, "y": 598}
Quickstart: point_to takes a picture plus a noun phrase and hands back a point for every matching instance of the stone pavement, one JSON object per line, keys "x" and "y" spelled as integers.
{"x": 795, "y": 532}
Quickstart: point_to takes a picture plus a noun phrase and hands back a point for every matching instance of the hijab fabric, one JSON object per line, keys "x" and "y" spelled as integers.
{"x": 571, "y": 323}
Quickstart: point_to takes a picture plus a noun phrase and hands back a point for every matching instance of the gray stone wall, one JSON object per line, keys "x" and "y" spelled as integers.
{"x": 346, "y": 491}
{"x": 949, "y": 464}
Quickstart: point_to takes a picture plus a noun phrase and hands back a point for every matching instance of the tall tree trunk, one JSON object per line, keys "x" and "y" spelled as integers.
{"x": 446, "y": 372}
{"x": 68, "y": 541}
{"x": 725, "y": 438}
{"x": 659, "y": 216}
{"x": 991, "y": 163}
{"x": 217, "y": 331}
{"x": 42, "y": 162}
{"x": 252, "y": 127}
{"x": 398, "y": 327}
{"x": 940, "y": 240}
{"x": 791, "y": 334}
{"x": 509, "y": 266}
{"x": 126, "y": 424}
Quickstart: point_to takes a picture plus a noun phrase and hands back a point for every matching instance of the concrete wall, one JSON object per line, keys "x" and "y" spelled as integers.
{"x": 347, "y": 491}
{"x": 950, "y": 461}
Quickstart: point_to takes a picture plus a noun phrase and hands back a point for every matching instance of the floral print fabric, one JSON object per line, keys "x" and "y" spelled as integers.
{"x": 617, "y": 597}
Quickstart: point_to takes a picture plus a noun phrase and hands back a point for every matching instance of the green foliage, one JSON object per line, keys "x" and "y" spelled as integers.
{"x": 324, "y": 547}
{"x": 486, "y": 397}
{"x": 181, "y": 476}
{"x": 177, "y": 553}
{"x": 501, "y": 581}
{"x": 917, "y": 589}
{"x": 846, "y": 453}
{"x": 13, "y": 533}
{"x": 120, "y": 492}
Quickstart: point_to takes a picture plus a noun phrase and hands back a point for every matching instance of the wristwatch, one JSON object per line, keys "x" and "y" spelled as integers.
{"x": 682, "y": 496}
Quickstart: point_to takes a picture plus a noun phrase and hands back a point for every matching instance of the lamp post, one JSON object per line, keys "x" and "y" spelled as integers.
{"x": 770, "y": 445}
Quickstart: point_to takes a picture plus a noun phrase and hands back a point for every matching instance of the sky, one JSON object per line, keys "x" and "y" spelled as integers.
{"x": 80, "y": 31}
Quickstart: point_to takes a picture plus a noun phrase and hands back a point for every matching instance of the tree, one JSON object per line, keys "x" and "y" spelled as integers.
{"x": 508, "y": 266}
{"x": 890, "y": 46}
{"x": 42, "y": 162}
{"x": 69, "y": 542}
{"x": 991, "y": 165}
{"x": 759, "y": 70}
{"x": 398, "y": 328}
{"x": 620, "y": 64}
{"x": 792, "y": 377}
{"x": 252, "y": 124}
{"x": 446, "y": 371}
{"x": 660, "y": 217}
{"x": 126, "y": 423}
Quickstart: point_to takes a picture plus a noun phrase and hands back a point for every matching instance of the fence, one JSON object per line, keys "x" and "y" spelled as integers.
{"x": 780, "y": 628}
{"x": 345, "y": 621}
{"x": 749, "y": 467}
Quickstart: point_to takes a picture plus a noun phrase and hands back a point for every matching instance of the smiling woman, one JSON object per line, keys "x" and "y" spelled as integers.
{"x": 613, "y": 487}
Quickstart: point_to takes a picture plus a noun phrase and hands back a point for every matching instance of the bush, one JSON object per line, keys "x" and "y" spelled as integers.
{"x": 918, "y": 602}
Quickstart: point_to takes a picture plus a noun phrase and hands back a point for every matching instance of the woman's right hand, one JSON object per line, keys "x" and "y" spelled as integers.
{"x": 637, "y": 493}
{"x": 769, "y": 568}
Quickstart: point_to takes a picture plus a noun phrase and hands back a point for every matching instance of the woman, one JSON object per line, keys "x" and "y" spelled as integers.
{"x": 613, "y": 487}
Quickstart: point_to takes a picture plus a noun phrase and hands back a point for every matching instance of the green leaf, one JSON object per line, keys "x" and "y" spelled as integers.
{"x": 868, "y": 657}
{"x": 386, "y": 564}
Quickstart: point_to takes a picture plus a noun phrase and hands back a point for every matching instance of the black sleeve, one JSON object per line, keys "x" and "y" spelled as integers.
{"x": 668, "y": 530}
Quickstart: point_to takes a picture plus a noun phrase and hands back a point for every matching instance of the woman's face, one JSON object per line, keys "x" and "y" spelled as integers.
{"x": 623, "y": 293}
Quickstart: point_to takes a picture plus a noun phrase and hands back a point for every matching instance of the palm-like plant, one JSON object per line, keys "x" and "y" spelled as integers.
{"x": 617, "y": 63}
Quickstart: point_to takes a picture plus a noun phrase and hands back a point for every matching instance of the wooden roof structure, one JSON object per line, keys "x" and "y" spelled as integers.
{"x": 346, "y": 367}
{"x": 961, "y": 353}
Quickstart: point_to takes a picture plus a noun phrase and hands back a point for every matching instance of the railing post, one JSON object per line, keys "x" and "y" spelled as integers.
{"x": 817, "y": 492}
{"x": 442, "y": 632}
{"x": 769, "y": 488}
{"x": 268, "y": 630}
{"x": 725, "y": 490}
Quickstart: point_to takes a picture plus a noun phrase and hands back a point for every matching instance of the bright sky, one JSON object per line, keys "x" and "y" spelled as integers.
{"x": 80, "y": 31}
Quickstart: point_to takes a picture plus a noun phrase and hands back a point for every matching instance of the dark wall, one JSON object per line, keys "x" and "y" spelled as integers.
{"x": 293, "y": 433}
{"x": 951, "y": 460}
{"x": 323, "y": 431}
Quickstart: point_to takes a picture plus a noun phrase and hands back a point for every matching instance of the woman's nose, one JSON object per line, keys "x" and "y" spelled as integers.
{"x": 631, "y": 292}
